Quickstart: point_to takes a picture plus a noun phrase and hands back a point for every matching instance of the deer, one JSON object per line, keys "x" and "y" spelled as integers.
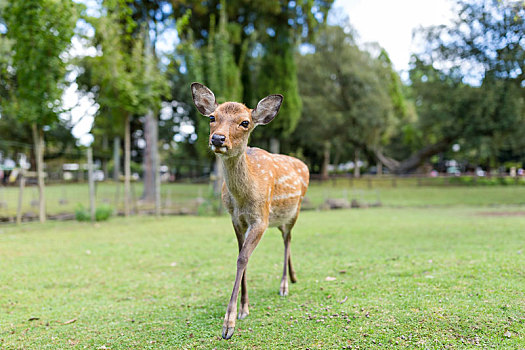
{"x": 260, "y": 189}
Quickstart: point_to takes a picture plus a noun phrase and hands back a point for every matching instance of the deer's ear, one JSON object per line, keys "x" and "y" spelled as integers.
{"x": 203, "y": 98}
{"x": 267, "y": 109}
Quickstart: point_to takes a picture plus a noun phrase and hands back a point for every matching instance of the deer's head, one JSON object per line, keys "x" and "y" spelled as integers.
{"x": 231, "y": 123}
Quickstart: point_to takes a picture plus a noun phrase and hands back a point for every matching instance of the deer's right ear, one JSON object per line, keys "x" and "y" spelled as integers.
{"x": 203, "y": 98}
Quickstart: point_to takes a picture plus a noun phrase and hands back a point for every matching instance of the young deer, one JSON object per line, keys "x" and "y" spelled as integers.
{"x": 260, "y": 189}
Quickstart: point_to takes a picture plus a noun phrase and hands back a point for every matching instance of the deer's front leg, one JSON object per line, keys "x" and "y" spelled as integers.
{"x": 240, "y": 231}
{"x": 254, "y": 235}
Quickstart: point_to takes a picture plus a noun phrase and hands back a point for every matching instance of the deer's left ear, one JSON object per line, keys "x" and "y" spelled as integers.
{"x": 267, "y": 109}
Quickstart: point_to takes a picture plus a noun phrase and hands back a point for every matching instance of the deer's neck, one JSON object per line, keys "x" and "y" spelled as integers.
{"x": 237, "y": 176}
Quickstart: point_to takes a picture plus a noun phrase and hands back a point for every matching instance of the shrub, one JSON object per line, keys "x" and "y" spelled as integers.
{"x": 102, "y": 213}
{"x": 81, "y": 214}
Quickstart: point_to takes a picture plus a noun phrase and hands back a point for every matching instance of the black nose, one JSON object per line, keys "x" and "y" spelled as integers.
{"x": 218, "y": 140}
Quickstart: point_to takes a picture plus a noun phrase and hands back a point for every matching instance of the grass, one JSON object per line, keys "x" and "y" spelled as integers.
{"x": 404, "y": 278}
{"x": 65, "y": 198}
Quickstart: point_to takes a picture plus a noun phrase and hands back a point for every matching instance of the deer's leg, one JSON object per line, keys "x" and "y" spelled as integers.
{"x": 286, "y": 231}
{"x": 253, "y": 236}
{"x": 244, "y": 311}
{"x": 291, "y": 270}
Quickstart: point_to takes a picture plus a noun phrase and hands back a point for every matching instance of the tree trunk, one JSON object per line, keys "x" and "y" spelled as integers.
{"x": 105, "y": 146}
{"x": 275, "y": 145}
{"x": 150, "y": 156}
{"x": 326, "y": 160}
{"x": 116, "y": 158}
{"x": 415, "y": 160}
{"x": 379, "y": 168}
{"x": 38, "y": 138}
{"x": 91, "y": 184}
{"x": 357, "y": 170}
{"x": 127, "y": 165}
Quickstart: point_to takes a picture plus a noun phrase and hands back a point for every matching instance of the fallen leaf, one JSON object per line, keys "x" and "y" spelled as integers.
{"x": 329, "y": 278}
{"x": 33, "y": 318}
{"x": 342, "y": 301}
{"x": 173, "y": 264}
{"x": 70, "y": 321}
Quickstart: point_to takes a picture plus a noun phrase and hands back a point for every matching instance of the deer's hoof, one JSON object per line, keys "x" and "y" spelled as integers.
{"x": 227, "y": 332}
{"x": 242, "y": 315}
{"x": 283, "y": 290}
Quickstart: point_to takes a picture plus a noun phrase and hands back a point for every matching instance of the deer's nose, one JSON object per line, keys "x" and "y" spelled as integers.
{"x": 218, "y": 140}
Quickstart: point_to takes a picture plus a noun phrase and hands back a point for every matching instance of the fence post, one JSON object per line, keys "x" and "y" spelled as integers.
{"x": 20, "y": 197}
{"x": 91, "y": 182}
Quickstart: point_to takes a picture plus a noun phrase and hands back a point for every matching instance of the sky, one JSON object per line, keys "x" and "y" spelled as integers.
{"x": 390, "y": 23}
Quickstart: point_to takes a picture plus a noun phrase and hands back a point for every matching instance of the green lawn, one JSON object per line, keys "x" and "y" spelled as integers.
{"x": 406, "y": 278}
{"x": 180, "y": 196}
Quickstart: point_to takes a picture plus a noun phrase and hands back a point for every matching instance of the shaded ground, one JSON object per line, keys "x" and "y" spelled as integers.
{"x": 405, "y": 278}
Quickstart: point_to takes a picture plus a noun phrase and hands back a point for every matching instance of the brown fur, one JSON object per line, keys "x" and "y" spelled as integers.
{"x": 260, "y": 189}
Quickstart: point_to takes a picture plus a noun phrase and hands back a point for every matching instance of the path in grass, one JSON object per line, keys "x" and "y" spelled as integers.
{"x": 414, "y": 278}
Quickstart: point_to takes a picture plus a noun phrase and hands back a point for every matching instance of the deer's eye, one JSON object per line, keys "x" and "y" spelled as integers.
{"x": 245, "y": 124}
{"x": 212, "y": 118}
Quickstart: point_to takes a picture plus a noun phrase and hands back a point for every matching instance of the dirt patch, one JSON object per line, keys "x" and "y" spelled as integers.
{"x": 501, "y": 213}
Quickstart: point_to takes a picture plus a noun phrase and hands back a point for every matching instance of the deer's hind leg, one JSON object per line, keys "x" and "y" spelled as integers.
{"x": 286, "y": 230}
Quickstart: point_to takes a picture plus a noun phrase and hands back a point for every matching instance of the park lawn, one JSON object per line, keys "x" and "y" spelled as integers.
{"x": 408, "y": 278}
{"x": 66, "y": 198}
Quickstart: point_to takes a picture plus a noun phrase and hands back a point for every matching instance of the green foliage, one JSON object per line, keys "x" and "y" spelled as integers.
{"x": 125, "y": 77}
{"x": 346, "y": 101}
{"x": 81, "y": 213}
{"x": 244, "y": 51}
{"x": 40, "y": 31}
{"x": 102, "y": 213}
{"x": 278, "y": 75}
{"x": 213, "y": 65}
{"x": 487, "y": 119}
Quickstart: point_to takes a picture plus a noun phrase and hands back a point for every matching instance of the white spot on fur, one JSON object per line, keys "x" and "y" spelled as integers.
{"x": 283, "y": 179}
{"x": 212, "y": 148}
{"x": 270, "y": 172}
{"x": 223, "y": 149}
{"x": 288, "y": 195}
{"x": 263, "y": 171}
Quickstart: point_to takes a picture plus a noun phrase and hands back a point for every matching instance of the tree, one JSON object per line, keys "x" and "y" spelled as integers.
{"x": 345, "y": 99}
{"x": 123, "y": 78}
{"x": 262, "y": 36}
{"x": 456, "y": 106}
{"x": 40, "y": 31}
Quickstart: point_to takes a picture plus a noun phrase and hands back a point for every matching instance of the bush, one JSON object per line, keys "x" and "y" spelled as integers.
{"x": 102, "y": 213}
{"x": 81, "y": 214}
